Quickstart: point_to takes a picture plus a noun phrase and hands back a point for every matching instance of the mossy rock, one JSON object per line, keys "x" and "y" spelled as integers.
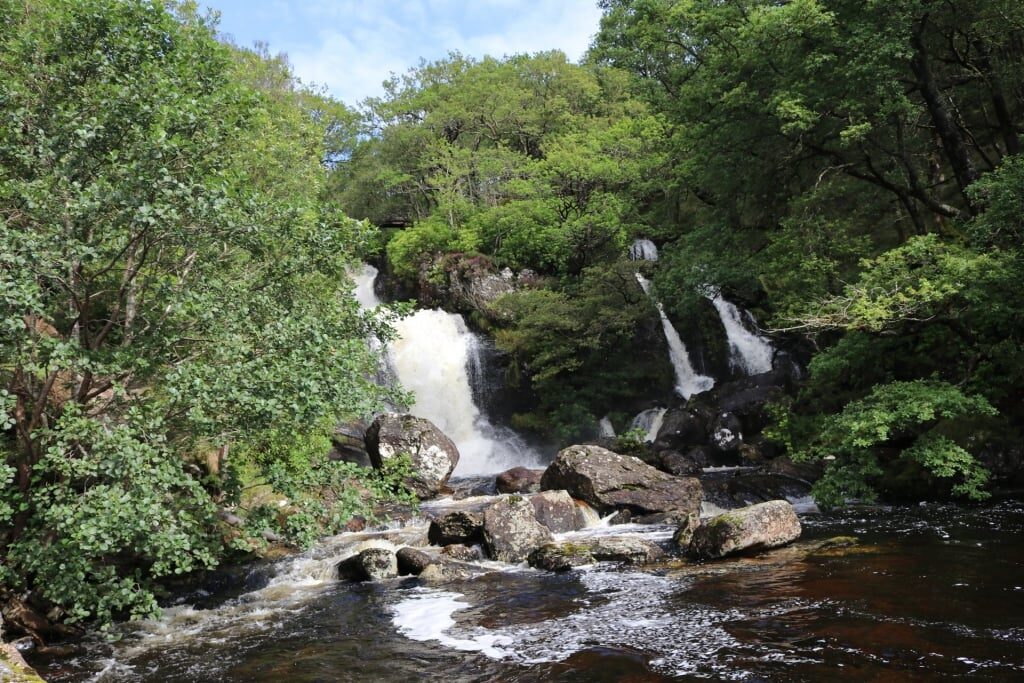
{"x": 14, "y": 669}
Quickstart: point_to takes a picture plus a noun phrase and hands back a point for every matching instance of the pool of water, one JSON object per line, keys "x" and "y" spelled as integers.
{"x": 929, "y": 593}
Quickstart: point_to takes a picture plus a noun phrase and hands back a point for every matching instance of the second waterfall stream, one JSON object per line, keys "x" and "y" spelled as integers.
{"x": 432, "y": 357}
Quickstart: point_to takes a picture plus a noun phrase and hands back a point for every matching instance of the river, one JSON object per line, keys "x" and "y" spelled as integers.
{"x": 931, "y": 592}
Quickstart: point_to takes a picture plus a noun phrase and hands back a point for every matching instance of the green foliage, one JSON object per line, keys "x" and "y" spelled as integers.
{"x": 171, "y": 284}
{"x": 895, "y": 414}
{"x": 568, "y": 341}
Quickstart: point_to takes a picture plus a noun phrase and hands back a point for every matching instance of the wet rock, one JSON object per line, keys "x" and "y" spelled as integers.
{"x": 565, "y": 555}
{"x": 460, "y": 526}
{"x": 411, "y": 561}
{"x": 626, "y": 549}
{"x": 465, "y": 553}
{"x": 560, "y": 557}
{"x": 355, "y": 524}
{"x": 727, "y": 432}
{"x": 609, "y": 481}
{"x": 681, "y": 429}
{"x": 348, "y": 443}
{"x": 14, "y": 668}
{"x": 511, "y": 530}
{"x": 445, "y": 571}
{"x": 684, "y": 532}
{"x": 758, "y": 527}
{"x": 372, "y": 564}
{"x": 557, "y": 511}
{"x": 433, "y": 455}
{"x": 621, "y": 517}
{"x": 519, "y": 480}
{"x": 679, "y": 465}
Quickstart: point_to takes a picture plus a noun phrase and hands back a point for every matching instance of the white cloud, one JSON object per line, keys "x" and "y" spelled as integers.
{"x": 356, "y": 45}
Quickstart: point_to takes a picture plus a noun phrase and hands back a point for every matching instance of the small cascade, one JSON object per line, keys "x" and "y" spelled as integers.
{"x": 650, "y": 422}
{"x": 749, "y": 352}
{"x": 433, "y": 358}
{"x": 605, "y": 428}
{"x": 688, "y": 381}
{"x": 643, "y": 250}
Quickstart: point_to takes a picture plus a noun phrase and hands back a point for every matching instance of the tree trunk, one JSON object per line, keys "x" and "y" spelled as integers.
{"x": 953, "y": 142}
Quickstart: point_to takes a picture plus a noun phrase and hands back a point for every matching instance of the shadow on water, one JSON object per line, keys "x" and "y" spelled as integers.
{"x": 930, "y": 593}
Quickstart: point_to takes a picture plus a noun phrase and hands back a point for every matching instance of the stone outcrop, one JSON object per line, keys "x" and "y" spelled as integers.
{"x": 411, "y": 561}
{"x": 518, "y": 480}
{"x": 372, "y": 564}
{"x": 757, "y": 527}
{"x": 609, "y": 481}
{"x": 433, "y": 455}
{"x": 568, "y": 554}
{"x": 460, "y": 526}
{"x": 511, "y": 530}
{"x": 557, "y": 511}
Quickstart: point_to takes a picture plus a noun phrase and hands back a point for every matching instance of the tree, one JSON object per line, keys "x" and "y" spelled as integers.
{"x": 170, "y": 286}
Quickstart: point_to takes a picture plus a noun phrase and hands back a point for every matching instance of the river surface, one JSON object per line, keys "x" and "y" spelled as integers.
{"x": 930, "y": 593}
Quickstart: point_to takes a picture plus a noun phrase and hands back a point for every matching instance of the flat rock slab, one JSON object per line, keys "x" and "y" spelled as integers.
{"x": 757, "y": 527}
{"x": 608, "y": 481}
{"x": 565, "y": 555}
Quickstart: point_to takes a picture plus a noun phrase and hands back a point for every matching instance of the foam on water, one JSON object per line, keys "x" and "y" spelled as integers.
{"x": 632, "y": 610}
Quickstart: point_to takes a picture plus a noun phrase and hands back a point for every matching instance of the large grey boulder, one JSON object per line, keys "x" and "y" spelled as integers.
{"x": 372, "y": 564}
{"x": 757, "y": 527}
{"x": 557, "y": 511}
{"x": 511, "y": 530}
{"x": 461, "y": 526}
{"x": 433, "y": 455}
{"x": 609, "y": 481}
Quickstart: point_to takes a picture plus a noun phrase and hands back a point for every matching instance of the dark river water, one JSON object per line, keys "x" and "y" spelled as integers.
{"x": 929, "y": 593}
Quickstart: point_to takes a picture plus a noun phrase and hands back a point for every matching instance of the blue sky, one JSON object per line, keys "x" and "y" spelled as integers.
{"x": 351, "y": 46}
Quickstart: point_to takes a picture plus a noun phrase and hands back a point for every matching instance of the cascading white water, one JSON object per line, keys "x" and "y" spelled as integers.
{"x": 650, "y": 421}
{"x": 688, "y": 381}
{"x": 643, "y": 250}
{"x": 748, "y": 351}
{"x": 431, "y": 358}
{"x": 605, "y": 428}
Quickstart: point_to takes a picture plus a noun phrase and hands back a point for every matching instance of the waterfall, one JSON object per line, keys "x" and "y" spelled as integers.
{"x": 688, "y": 381}
{"x": 432, "y": 357}
{"x": 643, "y": 250}
{"x": 650, "y": 421}
{"x": 605, "y": 428}
{"x": 749, "y": 352}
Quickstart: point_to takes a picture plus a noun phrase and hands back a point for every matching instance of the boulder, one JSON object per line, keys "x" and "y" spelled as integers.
{"x": 609, "y": 481}
{"x": 460, "y": 526}
{"x": 511, "y": 530}
{"x": 684, "y": 532}
{"x": 411, "y": 561}
{"x": 444, "y": 571}
{"x": 727, "y": 432}
{"x": 348, "y": 444}
{"x": 757, "y": 527}
{"x": 681, "y": 429}
{"x": 560, "y": 557}
{"x": 518, "y": 480}
{"x": 465, "y": 553}
{"x": 565, "y": 555}
{"x": 433, "y": 456}
{"x": 557, "y": 511}
{"x": 13, "y": 667}
{"x": 679, "y": 465}
{"x": 372, "y": 564}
